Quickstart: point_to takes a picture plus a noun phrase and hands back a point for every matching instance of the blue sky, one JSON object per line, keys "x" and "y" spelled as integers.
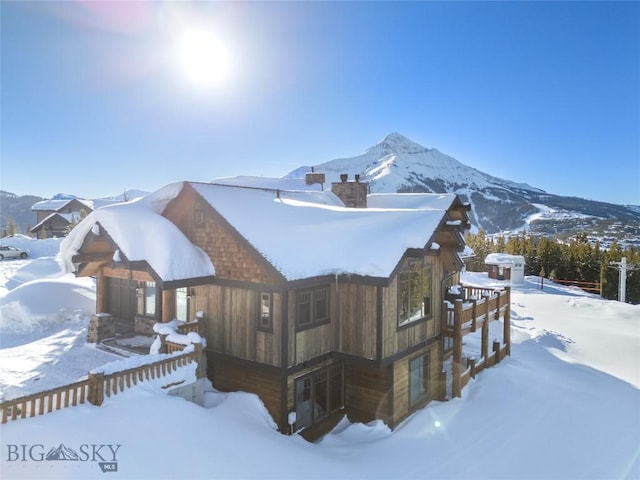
{"x": 95, "y": 98}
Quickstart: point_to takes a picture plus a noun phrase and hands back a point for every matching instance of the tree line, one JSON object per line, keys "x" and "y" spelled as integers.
{"x": 576, "y": 259}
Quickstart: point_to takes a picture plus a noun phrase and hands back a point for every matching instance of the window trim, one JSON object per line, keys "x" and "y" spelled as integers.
{"x": 142, "y": 300}
{"x": 314, "y": 293}
{"x": 269, "y": 326}
{"x": 425, "y": 359}
{"x": 428, "y": 307}
{"x": 331, "y": 372}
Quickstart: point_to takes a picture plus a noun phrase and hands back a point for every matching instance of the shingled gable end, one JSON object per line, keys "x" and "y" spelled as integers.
{"x": 320, "y": 309}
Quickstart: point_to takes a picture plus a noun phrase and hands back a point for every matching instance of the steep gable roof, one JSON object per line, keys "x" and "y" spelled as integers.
{"x": 306, "y": 233}
{"x": 143, "y": 234}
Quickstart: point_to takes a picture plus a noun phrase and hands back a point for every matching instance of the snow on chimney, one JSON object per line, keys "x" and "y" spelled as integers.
{"x": 313, "y": 177}
{"x": 352, "y": 194}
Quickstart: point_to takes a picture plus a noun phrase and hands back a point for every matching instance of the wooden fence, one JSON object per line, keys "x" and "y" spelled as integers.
{"x": 476, "y": 309}
{"x": 96, "y": 386}
{"x": 594, "y": 287}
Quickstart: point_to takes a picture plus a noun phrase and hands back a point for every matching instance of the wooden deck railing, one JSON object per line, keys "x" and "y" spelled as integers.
{"x": 45, "y": 402}
{"x": 96, "y": 386}
{"x": 479, "y": 307}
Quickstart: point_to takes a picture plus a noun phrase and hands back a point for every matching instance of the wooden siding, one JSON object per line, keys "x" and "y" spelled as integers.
{"x": 356, "y": 319}
{"x": 401, "y": 407}
{"x": 368, "y": 392}
{"x": 230, "y": 375}
{"x": 231, "y": 323}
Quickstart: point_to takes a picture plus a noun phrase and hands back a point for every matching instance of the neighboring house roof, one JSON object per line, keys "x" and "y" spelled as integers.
{"x": 55, "y": 205}
{"x": 142, "y": 234}
{"x": 503, "y": 259}
{"x": 66, "y": 218}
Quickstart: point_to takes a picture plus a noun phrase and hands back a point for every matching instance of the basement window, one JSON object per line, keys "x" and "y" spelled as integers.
{"x": 414, "y": 291}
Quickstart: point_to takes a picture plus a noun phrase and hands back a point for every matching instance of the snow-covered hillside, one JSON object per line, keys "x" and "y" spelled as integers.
{"x": 397, "y": 164}
{"x": 565, "y": 405}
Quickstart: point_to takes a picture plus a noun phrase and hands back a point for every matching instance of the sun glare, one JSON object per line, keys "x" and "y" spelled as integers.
{"x": 203, "y": 59}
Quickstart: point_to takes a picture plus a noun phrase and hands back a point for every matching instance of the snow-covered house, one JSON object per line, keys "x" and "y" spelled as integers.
{"x": 503, "y": 266}
{"x": 318, "y": 308}
{"x": 54, "y": 216}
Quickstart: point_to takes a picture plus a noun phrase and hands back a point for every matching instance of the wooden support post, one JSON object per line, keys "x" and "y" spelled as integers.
{"x": 163, "y": 343}
{"x": 496, "y": 350}
{"x": 484, "y": 345}
{"x": 96, "y": 388}
{"x": 168, "y": 305}
{"x": 200, "y": 358}
{"x": 474, "y": 316}
{"x": 506, "y": 335}
{"x": 101, "y": 292}
{"x": 471, "y": 363}
{"x": 457, "y": 348}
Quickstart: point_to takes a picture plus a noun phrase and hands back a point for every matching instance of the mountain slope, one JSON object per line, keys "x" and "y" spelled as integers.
{"x": 397, "y": 164}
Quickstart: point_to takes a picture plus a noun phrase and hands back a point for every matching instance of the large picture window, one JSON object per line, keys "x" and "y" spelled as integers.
{"x": 318, "y": 394}
{"x": 414, "y": 291}
{"x": 418, "y": 379}
{"x": 312, "y": 307}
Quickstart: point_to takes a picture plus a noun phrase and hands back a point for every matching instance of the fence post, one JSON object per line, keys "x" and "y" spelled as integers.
{"x": 471, "y": 363}
{"x": 484, "y": 345}
{"x": 507, "y": 322}
{"x": 96, "y": 388}
{"x": 496, "y": 350}
{"x": 457, "y": 348}
{"x": 199, "y": 358}
{"x": 163, "y": 343}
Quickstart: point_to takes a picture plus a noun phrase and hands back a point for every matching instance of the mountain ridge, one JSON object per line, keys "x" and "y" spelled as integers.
{"x": 398, "y": 164}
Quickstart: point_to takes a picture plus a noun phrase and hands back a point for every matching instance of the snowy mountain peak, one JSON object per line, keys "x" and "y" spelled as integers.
{"x": 395, "y": 143}
{"x": 398, "y": 164}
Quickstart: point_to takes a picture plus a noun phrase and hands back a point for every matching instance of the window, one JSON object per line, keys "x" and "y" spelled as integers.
{"x": 147, "y": 299}
{"x": 447, "y": 344}
{"x": 182, "y": 304}
{"x": 418, "y": 379}
{"x": 318, "y": 394}
{"x": 312, "y": 307}
{"x": 414, "y": 291}
{"x": 265, "y": 322}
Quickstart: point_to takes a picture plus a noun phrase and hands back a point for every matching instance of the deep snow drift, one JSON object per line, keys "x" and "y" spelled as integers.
{"x": 566, "y": 404}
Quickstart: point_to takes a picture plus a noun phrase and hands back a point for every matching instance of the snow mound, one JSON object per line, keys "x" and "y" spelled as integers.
{"x": 59, "y": 300}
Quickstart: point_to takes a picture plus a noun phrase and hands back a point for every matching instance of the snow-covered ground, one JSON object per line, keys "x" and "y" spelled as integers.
{"x": 566, "y": 404}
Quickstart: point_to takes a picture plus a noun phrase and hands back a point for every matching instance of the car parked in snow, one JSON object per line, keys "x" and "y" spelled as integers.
{"x": 7, "y": 251}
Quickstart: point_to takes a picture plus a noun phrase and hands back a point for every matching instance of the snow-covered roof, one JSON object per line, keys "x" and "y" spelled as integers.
{"x": 69, "y": 217}
{"x": 310, "y": 233}
{"x": 503, "y": 259}
{"x": 301, "y": 230}
{"x": 143, "y": 234}
{"x": 56, "y": 204}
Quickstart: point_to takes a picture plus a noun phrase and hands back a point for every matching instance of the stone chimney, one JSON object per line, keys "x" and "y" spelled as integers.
{"x": 312, "y": 177}
{"x": 352, "y": 194}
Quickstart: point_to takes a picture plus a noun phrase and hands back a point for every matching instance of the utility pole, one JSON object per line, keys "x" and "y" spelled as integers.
{"x": 622, "y": 267}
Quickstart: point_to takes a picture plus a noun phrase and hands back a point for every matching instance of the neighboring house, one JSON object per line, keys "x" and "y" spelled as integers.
{"x": 53, "y": 217}
{"x": 503, "y": 266}
{"x": 318, "y": 308}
